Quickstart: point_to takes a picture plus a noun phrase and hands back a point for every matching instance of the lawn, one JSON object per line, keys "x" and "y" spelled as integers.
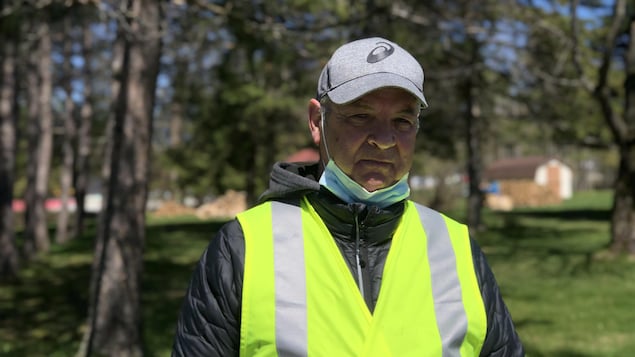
{"x": 567, "y": 296}
{"x": 44, "y": 313}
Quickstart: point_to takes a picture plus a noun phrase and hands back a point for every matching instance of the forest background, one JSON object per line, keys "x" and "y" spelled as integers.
{"x": 188, "y": 99}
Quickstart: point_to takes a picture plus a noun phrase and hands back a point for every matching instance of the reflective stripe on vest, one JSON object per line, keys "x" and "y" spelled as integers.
{"x": 300, "y": 299}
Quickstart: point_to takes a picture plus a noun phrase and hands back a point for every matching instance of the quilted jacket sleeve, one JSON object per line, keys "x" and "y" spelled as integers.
{"x": 501, "y": 339}
{"x": 209, "y": 321}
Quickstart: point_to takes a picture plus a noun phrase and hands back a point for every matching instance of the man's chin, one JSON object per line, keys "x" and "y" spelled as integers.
{"x": 374, "y": 185}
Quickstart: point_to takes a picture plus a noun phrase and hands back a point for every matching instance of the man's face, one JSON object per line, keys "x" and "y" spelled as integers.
{"x": 372, "y": 139}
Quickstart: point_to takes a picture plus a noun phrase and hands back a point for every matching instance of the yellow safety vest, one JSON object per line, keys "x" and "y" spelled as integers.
{"x": 300, "y": 299}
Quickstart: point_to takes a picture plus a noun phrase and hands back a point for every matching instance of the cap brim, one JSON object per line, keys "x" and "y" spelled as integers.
{"x": 351, "y": 90}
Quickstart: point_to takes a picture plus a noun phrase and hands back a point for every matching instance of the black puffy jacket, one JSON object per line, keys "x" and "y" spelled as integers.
{"x": 209, "y": 322}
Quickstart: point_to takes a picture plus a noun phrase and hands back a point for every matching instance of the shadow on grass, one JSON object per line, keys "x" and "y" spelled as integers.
{"x": 565, "y": 214}
{"x": 164, "y": 286}
{"x": 557, "y": 246}
{"x": 514, "y": 229}
{"x": 172, "y": 253}
{"x": 535, "y": 352}
{"x": 43, "y": 310}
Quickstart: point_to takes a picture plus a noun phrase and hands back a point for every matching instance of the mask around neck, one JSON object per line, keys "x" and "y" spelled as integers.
{"x": 349, "y": 191}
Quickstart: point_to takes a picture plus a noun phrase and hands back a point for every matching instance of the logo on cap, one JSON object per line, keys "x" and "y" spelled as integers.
{"x": 383, "y": 50}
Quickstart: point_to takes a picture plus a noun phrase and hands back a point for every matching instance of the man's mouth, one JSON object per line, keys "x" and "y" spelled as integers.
{"x": 375, "y": 162}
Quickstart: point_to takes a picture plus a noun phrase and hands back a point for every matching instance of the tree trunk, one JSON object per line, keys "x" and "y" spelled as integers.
{"x": 86, "y": 346}
{"x": 84, "y": 126}
{"x": 40, "y": 145}
{"x": 623, "y": 130}
{"x": 474, "y": 135}
{"x": 623, "y": 213}
{"x": 176, "y": 130}
{"x": 252, "y": 174}
{"x": 9, "y": 257}
{"x": 66, "y": 171}
{"x": 115, "y": 326}
{"x": 623, "y": 218}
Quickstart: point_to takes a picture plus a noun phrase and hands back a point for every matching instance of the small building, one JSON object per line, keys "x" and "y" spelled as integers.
{"x": 528, "y": 181}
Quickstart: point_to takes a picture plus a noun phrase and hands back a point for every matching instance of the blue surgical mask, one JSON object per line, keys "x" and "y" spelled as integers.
{"x": 349, "y": 191}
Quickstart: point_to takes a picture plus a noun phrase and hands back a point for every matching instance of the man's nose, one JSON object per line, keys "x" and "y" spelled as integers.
{"x": 382, "y": 136}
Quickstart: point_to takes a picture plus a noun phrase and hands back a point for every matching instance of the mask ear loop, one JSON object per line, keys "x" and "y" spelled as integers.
{"x": 421, "y": 107}
{"x": 322, "y": 132}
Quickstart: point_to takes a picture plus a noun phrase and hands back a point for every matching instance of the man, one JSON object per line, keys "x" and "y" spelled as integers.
{"x": 336, "y": 261}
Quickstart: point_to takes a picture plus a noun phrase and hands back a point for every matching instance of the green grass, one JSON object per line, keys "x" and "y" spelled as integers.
{"x": 44, "y": 313}
{"x": 567, "y": 296}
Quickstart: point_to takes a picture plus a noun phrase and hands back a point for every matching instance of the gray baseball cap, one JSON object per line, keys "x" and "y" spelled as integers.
{"x": 362, "y": 66}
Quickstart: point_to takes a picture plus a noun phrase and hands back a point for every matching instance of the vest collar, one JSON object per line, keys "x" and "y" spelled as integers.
{"x": 376, "y": 225}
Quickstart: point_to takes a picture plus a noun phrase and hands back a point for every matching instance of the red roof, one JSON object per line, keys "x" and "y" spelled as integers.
{"x": 515, "y": 168}
{"x": 304, "y": 155}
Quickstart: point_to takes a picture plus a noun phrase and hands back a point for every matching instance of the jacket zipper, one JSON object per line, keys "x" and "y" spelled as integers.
{"x": 360, "y": 279}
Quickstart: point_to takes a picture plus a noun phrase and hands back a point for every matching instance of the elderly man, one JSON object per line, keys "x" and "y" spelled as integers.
{"x": 335, "y": 260}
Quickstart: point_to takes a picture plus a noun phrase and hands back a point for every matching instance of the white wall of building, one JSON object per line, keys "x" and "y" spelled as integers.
{"x": 566, "y": 177}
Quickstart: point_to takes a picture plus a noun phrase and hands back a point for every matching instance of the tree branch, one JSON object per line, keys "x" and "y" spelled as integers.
{"x": 602, "y": 91}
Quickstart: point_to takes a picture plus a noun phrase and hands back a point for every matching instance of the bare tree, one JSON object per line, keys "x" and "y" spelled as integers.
{"x": 40, "y": 137}
{"x": 115, "y": 306}
{"x": 9, "y": 257}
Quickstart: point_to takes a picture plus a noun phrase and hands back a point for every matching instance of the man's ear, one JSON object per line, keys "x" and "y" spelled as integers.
{"x": 314, "y": 121}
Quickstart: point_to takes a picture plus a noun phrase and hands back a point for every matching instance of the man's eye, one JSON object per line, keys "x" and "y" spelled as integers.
{"x": 358, "y": 119}
{"x": 403, "y": 124}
